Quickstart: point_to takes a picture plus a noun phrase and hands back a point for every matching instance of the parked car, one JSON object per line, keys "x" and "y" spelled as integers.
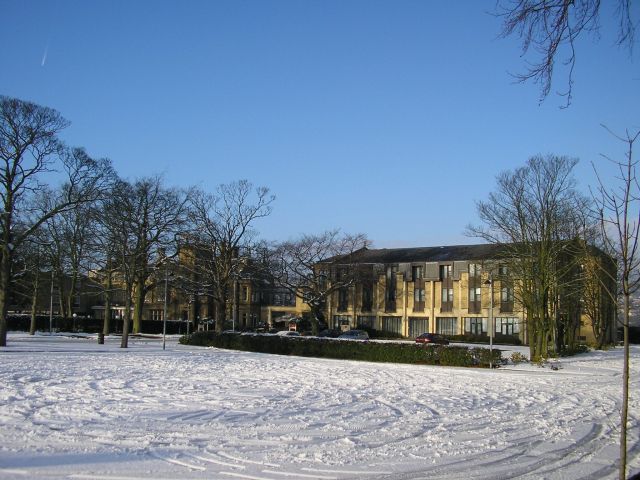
{"x": 288, "y": 333}
{"x": 330, "y": 333}
{"x": 231, "y": 332}
{"x": 432, "y": 338}
{"x": 355, "y": 335}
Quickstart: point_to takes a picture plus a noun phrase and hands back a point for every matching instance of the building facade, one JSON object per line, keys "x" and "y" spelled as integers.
{"x": 451, "y": 290}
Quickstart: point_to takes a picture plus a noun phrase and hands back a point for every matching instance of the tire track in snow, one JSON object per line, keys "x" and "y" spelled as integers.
{"x": 176, "y": 462}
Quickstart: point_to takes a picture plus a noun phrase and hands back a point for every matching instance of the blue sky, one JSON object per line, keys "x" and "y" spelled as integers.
{"x": 390, "y": 118}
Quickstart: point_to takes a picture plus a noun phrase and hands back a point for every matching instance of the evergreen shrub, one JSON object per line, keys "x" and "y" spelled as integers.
{"x": 346, "y": 349}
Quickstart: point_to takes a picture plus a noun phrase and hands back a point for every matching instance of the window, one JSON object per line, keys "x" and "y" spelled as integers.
{"x": 245, "y": 293}
{"x": 475, "y": 299}
{"x": 475, "y": 325}
{"x": 392, "y": 325}
{"x": 506, "y": 294}
{"x": 418, "y": 298}
{"x": 418, "y": 325}
{"x": 445, "y": 272}
{"x": 447, "y": 299}
{"x": 343, "y": 299}
{"x": 447, "y": 295}
{"x": 367, "y": 297}
{"x": 390, "y": 293}
{"x": 475, "y": 294}
{"x": 342, "y": 322}
{"x": 417, "y": 272}
{"x": 475, "y": 269}
{"x": 506, "y": 298}
{"x": 341, "y": 274}
{"x": 366, "y": 321}
{"x": 447, "y": 325}
{"x": 503, "y": 270}
{"x": 508, "y": 325}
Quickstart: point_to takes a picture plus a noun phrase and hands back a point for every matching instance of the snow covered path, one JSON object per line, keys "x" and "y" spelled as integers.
{"x": 70, "y": 408}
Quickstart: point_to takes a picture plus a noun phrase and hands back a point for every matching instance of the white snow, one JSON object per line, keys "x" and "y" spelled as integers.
{"x": 70, "y": 408}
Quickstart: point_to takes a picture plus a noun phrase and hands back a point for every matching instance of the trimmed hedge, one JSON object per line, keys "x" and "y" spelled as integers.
{"x": 484, "y": 339}
{"x": 346, "y": 350}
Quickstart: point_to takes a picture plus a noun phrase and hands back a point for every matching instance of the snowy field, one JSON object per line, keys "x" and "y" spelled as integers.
{"x": 70, "y": 408}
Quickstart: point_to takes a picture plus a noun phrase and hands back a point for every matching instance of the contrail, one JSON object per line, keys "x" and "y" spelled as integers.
{"x": 44, "y": 57}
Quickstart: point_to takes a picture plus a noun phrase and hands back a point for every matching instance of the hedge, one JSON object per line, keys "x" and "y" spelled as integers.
{"x": 346, "y": 349}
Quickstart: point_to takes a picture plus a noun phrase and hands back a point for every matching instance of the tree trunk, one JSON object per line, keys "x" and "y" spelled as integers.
{"x": 107, "y": 304}
{"x": 5, "y": 277}
{"x": 61, "y": 297}
{"x": 139, "y": 294}
{"x": 220, "y": 313}
{"x": 126, "y": 321}
{"x": 71, "y": 293}
{"x": 34, "y": 302}
{"x": 625, "y": 389}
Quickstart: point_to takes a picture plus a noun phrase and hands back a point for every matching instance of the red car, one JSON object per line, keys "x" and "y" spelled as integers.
{"x": 432, "y": 338}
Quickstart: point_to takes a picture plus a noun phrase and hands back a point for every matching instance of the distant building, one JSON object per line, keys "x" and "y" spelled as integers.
{"x": 451, "y": 290}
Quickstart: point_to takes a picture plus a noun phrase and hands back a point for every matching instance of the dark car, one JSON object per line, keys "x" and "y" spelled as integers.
{"x": 432, "y": 338}
{"x": 330, "y": 333}
{"x": 354, "y": 335}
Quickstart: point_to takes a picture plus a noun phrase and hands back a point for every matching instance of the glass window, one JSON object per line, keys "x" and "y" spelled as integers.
{"x": 447, "y": 325}
{"x": 417, "y": 272}
{"x": 445, "y": 271}
{"x": 506, "y": 294}
{"x": 475, "y": 294}
{"x": 392, "y": 324}
{"x": 475, "y": 325}
{"x": 418, "y": 325}
{"x": 508, "y": 325}
{"x": 447, "y": 295}
{"x": 418, "y": 295}
{"x": 475, "y": 269}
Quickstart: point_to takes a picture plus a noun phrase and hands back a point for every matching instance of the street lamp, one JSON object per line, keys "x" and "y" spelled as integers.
{"x": 51, "y": 306}
{"x": 489, "y": 282}
{"x": 164, "y": 314}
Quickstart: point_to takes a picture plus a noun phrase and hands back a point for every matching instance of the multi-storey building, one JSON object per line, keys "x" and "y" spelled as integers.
{"x": 452, "y": 290}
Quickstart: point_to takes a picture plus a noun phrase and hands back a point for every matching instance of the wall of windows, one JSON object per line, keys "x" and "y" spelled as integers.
{"x": 508, "y": 325}
{"x": 367, "y": 297}
{"x": 392, "y": 324}
{"x": 447, "y": 325}
{"x": 417, "y": 272}
{"x": 418, "y": 325}
{"x": 446, "y": 294}
{"x": 343, "y": 299}
{"x": 367, "y": 321}
{"x": 390, "y": 288}
{"x": 342, "y": 322}
{"x": 476, "y": 325}
{"x": 418, "y": 299}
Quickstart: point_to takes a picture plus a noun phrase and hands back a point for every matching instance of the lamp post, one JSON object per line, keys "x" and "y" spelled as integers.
{"x": 491, "y": 319}
{"x": 164, "y": 313}
{"x": 51, "y": 306}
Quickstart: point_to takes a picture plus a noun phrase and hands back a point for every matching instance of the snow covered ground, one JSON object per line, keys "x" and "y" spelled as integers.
{"x": 70, "y": 408}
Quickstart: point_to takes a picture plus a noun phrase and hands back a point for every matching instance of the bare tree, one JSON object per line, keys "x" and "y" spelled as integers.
{"x": 30, "y": 148}
{"x": 223, "y": 223}
{"x": 599, "y": 295}
{"x": 552, "y": 27}
{"x": 620, "y": 219}
{"x": 143, "y": 219}
{"x": 314, "y": 266}
{"x": 535, "y": 215}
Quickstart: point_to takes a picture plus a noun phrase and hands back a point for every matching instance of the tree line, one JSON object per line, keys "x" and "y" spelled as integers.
{"x": 126, "y": 234}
